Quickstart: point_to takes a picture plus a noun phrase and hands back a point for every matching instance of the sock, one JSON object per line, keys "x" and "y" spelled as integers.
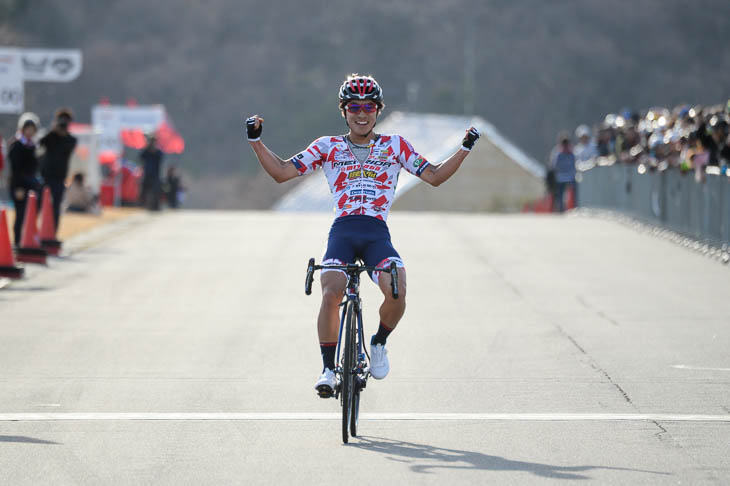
{"x": 382, "y": 335}
{"x": 328, "y": 355}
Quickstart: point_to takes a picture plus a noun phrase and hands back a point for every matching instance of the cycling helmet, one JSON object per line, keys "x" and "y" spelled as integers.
{"x": 357, "y": 87}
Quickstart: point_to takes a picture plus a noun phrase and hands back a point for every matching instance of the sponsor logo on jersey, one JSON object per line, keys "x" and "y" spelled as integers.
{"x": 345, "y": 164}
{"x": 367, "y": 192}
{"x": 380, "y": 162}
{"x": 356, "y": 174}
{"x": 417, "y": 163}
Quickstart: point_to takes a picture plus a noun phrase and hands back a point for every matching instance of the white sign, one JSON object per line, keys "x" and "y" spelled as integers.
{"x": 109, "y": 120}
{"x": 51, "y": 65}
{"x": 11, "y": 81}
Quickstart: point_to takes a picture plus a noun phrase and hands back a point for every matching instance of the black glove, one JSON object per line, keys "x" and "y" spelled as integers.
{"x": 470, "y": 139}
{"x": 253, "y": 133}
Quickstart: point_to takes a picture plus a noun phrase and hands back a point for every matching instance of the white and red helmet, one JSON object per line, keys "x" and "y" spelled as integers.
{"x": 357, "y": 87}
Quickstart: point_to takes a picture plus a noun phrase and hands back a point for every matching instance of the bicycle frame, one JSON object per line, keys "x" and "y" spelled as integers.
{"x": 354, "y": 379}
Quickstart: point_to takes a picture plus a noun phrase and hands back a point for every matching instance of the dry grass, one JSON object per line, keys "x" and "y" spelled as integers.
{"x": 75, "y": 223}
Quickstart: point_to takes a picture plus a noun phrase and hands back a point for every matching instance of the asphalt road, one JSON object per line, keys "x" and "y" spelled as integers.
{"x": 181, "y": 349}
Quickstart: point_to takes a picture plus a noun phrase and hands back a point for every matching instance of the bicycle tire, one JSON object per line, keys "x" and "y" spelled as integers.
{"x": 347, "y": 371}
{"x": 355, "y": 414}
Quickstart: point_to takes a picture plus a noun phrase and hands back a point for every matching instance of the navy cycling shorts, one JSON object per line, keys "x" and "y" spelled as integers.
{"x": 360, "y": 237}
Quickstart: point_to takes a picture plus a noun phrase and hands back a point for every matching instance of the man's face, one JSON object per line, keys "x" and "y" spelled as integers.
{"x": 361, "y": 122}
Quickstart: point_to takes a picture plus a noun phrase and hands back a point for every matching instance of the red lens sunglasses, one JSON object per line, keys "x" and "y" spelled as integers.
{"x": 368, "y": 107}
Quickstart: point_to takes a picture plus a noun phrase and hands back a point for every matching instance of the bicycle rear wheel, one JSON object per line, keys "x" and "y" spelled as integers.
{"x": 348, "y": 367}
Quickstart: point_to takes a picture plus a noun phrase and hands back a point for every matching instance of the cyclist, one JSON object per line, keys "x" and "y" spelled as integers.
{"x": 362, "y": 170}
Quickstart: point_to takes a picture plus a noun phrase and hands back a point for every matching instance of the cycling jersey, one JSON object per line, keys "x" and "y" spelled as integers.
{"x": 361, "y": 188}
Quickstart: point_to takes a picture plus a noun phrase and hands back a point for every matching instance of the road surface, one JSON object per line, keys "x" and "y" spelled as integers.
{"x": 181, "y": 349}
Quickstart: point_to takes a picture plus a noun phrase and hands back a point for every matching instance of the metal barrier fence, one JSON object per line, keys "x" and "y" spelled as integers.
{"x": 668, "y": 198}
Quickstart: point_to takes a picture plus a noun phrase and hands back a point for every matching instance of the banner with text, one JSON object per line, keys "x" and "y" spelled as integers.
{"x": 11, "y": 81}
{"x": 51, "y": 65}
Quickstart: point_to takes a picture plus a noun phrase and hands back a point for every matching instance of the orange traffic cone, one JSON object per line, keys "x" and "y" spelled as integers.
{"x": 30, "y": 250}
{"x": 7, "y": 261}
{"x": 48, "y": 227}
{"x": 570, "y": 196}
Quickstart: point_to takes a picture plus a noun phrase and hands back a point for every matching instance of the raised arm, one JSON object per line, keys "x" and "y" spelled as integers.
{"x": 438, "y": 174}
{"x": 279, "y": 169}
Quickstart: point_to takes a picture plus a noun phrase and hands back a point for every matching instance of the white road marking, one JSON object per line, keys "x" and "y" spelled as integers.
{"x": 700, "y": 368}
{"x": 304, "y": 416}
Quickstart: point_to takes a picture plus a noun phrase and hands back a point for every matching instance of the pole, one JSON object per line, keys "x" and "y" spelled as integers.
{"x": 469, "y": 65}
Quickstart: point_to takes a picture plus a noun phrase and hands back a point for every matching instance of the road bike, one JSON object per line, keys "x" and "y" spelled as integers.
{"x": 353, "y": 370}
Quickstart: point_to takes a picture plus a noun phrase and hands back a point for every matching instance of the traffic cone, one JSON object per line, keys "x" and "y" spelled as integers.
{"x": 48, "y": 226}
{"x": 570, "y": 196}
{"x": 7, "y": 260}
{"x": 30, "y": 250}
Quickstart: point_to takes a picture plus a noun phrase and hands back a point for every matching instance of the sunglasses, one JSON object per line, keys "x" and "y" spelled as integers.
{"x": 368, "y": 107}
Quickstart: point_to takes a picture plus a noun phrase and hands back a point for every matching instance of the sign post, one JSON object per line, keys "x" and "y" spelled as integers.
{"x": 18, "y": 65}
{"x": 11, "y": 81}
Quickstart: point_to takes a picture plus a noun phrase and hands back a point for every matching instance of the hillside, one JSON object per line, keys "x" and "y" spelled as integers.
{"x": 530, "y": 68}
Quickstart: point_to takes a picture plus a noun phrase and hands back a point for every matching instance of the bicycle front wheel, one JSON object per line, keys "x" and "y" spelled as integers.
{"x": 348, "y": 370}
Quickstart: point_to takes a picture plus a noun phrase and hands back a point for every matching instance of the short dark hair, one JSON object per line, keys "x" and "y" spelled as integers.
{"x": 28, "y": 123}
{"x": 64, "y": 112}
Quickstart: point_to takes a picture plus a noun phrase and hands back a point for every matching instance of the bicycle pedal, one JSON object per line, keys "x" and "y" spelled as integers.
{"x": 325, "y": 391}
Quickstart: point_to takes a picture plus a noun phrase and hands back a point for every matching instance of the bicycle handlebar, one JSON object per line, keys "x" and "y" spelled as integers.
{"x": 311, "y": 267}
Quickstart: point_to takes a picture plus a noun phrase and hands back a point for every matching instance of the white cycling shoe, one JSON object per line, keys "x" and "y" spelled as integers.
{"x": 326, "y": 383}
{"x": 379, "y": 365}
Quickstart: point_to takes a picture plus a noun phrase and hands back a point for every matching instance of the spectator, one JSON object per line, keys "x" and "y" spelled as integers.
{"x": 562, "y": 161}
{"x": 700, "y": 157}
{"x": 59, "y": 144}
{"x": 173, "y": 187}
{"x": 722, "y": 143}
{"x": 151, "y": 158}
{"x": 79, "y": 198}
{"x": 662, "y": 139}
{"x": 585, "y": 149}
{"x": 23, "y": 169}
{"x": 605, "y": 143}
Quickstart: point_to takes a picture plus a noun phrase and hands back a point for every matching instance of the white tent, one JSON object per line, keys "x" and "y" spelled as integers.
{"x": 434, "y": 136}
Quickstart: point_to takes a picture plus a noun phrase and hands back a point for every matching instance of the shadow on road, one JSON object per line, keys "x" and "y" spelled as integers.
{"x": 424, "y": 458}
{"x": 29, "y": 440}
{"x": 37, "y": 288}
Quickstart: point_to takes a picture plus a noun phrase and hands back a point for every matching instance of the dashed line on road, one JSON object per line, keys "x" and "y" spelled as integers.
{"x": 305, "y": 416}
{"x": 698, "y": 368}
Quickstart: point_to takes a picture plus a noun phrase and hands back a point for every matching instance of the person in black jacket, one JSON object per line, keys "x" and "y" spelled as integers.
{"x": 23, "y": 168}
{"x": 59, "y": 145}
{"x": 151, "y": 158}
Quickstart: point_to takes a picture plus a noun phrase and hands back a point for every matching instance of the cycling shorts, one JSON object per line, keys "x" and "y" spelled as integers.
{"x": 360, "y": 237}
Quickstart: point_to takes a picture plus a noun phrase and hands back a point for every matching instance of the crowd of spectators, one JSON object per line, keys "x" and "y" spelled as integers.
{"x": 686, "y": 138}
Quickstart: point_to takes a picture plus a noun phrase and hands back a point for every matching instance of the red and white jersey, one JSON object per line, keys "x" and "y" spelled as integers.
{"x": 366, "y": 188}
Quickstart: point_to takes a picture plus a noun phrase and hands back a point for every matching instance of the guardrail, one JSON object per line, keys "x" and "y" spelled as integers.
{"x": 668, "y": 198}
